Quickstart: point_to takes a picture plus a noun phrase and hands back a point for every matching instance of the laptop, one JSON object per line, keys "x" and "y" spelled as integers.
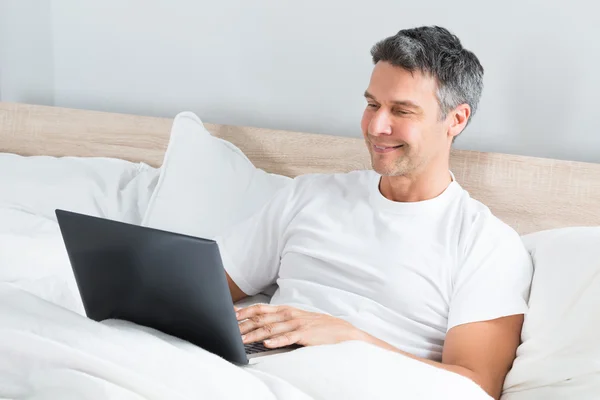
{"x": 171, "y": 282}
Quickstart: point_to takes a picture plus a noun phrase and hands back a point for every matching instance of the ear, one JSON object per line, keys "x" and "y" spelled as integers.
{"x": 458, "y": 119}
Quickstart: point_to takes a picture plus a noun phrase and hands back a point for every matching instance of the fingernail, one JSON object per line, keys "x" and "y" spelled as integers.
{"x": 268, "y": 342}
{"x": 243, "y": 337}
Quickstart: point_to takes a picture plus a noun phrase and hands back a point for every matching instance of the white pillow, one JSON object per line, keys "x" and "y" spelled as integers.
{"x": 207, "y": 184}
{"x": 560, "y": 353}
{"x": 104, "y": 187}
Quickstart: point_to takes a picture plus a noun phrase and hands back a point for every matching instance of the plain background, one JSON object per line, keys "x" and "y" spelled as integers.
{"x": 303, "y": 65}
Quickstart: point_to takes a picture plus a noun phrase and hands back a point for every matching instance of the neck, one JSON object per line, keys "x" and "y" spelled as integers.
{"x": 418, "y": 187}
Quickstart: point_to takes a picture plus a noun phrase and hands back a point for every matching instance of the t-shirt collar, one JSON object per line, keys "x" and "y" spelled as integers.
{"x": 380, "y": 202}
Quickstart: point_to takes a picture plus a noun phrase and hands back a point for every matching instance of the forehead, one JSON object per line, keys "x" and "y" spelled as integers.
{"x": 389, "y": 83}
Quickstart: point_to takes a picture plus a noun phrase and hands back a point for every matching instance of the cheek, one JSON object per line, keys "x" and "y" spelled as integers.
{"x": 407, "y": 131}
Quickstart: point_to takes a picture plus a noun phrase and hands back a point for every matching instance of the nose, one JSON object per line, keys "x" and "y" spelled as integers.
{"x": 380, "y": 124}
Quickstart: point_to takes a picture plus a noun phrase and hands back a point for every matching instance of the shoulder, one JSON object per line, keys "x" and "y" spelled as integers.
{"x": 491, "y": 255}
{"x": 477, "y": 219}
{"x": 482, "y": 231}
{"x": 494, "y": 269}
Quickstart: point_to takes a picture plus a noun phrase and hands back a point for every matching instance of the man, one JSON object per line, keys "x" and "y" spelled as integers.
{"x": 400, "y": 257}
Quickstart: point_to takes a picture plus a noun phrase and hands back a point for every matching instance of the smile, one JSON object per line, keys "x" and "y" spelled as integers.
{"x": 385, "y": 149}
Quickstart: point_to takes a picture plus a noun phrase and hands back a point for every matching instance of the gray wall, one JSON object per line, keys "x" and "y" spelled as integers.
{"x": 303, "y": 65}
{"x": 26, "y": 64}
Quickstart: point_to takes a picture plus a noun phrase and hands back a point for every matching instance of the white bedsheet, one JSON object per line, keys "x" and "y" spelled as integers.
{"x": 49, "y": 352}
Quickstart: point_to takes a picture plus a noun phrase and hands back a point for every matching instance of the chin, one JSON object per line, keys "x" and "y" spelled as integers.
{"x": 390, "y": 170}
{"x": 385, "y": 170}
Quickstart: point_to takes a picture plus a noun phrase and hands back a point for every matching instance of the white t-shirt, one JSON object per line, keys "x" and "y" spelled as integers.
{"x": 405, "y": 273}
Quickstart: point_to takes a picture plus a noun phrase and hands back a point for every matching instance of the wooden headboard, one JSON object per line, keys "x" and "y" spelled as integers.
{"x": 530, "y": 194}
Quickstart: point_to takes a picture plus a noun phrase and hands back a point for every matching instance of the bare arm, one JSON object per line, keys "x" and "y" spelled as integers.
{"x": 236, "y": 292}
{"x": 481, "y": 351}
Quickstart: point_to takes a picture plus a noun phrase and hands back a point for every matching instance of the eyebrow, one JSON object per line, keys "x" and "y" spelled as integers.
{"x": 405, "y": 103}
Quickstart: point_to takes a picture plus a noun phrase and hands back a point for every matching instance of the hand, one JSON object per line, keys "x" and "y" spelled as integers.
{"x": 282, "y": 326}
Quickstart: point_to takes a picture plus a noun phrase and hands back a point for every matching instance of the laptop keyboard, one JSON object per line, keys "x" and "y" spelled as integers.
{"x": 259, "y": 347}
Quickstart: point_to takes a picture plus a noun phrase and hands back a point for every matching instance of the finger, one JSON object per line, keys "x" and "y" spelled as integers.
{"x": 256, "y": 309}
{"x": 269, "y": 331}
{"x": 283, "y": 340}
{"x": 261, "y": 320}
{"x": 236, "y": 308}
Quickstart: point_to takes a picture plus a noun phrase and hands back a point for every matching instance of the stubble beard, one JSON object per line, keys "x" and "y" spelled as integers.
{"x": 400, "y": 166}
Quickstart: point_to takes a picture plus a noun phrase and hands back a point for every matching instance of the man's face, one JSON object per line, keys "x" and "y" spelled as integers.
{"x": 401, "y": 123}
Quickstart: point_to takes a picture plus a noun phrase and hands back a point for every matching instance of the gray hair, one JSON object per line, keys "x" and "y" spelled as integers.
{"x": 435, "y": 51}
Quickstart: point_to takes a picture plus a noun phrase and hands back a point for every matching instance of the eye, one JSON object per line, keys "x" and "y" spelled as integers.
{"x": 371, "y": 105}
{"x": 401, "y": 112}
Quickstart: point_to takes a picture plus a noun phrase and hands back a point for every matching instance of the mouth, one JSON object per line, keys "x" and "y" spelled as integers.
{"x": 385, "y": 149}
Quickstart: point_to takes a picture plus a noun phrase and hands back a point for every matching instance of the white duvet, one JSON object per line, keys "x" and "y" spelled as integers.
{"x": 49, "y": 352}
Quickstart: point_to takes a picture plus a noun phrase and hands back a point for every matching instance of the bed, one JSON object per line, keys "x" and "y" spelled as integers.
{"x": 554, "y": 204}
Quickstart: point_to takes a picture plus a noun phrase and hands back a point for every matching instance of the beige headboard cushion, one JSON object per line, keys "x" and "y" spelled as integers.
{"x": 528, "y": 193}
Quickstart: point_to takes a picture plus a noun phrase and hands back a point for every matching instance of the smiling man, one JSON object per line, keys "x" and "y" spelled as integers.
{"x": 401, "y": 256}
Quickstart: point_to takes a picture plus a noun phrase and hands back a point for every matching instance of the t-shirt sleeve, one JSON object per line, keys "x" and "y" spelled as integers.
{"x": 251, "y": 250}
{"x": 494, "y": 278}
